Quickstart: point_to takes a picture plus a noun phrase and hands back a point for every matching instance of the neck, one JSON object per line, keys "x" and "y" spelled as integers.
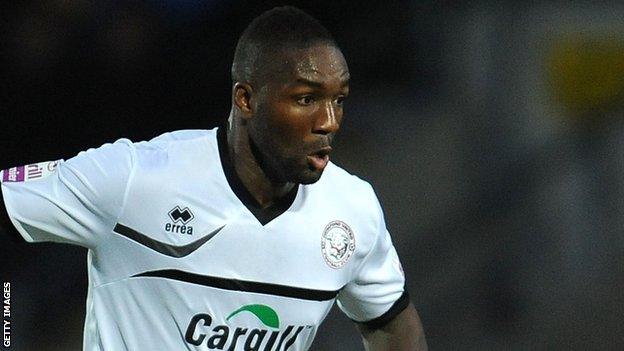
{"x": 264, "y": 190}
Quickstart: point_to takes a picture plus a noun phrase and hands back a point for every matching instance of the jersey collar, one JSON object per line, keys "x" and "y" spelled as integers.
{"x": 263, "y": 215}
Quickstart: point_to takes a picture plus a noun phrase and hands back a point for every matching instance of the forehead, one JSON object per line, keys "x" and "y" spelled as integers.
{"x": 319, "y": 59}
{"x": 318, "y": 62}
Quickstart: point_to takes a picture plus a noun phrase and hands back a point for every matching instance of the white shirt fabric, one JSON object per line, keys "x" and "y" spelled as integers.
{"x": 176, "y": 261}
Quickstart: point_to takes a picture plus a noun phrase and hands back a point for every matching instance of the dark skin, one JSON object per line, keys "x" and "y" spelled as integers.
{"x": 403, "y": 333}
{"x": 281, "y": 128}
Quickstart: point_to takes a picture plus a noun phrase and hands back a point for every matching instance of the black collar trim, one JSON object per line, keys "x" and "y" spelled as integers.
{"x": 263, "y": 215}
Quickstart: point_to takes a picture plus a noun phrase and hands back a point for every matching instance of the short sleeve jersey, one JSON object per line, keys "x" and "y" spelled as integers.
{"x": 179, "y": 260}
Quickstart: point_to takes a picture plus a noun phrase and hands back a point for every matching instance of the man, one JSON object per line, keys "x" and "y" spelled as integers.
{"x": 236, "y": 238}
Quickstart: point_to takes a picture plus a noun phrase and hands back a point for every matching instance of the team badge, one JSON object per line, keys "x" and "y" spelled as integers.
{"x": 337, "y": 243}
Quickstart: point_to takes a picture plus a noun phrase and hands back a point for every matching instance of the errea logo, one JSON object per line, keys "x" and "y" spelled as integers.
{"x": 181, "y": 215}
{"x": 180, "y": 218}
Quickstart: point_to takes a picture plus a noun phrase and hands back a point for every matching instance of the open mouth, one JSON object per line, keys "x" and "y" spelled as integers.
{"x": 320, "y": 158}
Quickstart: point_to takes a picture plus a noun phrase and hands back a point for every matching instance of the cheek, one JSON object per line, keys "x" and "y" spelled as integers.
{"x": 339, "y": 113}
{"x": 291, "y": 121}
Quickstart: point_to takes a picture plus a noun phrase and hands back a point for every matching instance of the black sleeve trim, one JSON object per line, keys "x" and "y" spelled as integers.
{"x": 5, "y": 223}
{"x": 398, "y": 307}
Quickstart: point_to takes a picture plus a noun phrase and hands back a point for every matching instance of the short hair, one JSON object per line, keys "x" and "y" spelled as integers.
{"x": 274, "y": 31}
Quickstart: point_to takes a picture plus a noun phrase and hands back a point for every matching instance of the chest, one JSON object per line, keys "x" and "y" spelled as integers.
{"x": 209, "y": 232}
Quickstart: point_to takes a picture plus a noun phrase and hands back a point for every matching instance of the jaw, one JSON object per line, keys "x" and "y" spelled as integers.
{"x": 311, "y": 177}
{"x": 284, "y": 161}
{"x": 292, "y": 170}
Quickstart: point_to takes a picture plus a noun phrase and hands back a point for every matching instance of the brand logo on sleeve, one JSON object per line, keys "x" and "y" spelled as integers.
{"x": 337, "y": 243}
{"x": 29, "y": 172}
{"x": 180, "y": 217}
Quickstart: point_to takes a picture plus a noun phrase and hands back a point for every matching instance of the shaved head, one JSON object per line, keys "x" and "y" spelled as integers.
{"x": 259, "y": 50}
{"x": 289, "y": 83}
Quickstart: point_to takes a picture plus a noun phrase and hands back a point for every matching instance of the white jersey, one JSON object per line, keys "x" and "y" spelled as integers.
{"x": 180, "y": 258}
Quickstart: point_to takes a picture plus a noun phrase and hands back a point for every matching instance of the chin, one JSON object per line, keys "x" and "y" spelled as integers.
{"x": 300, "y": 172}
{"x": 309, "y": 177}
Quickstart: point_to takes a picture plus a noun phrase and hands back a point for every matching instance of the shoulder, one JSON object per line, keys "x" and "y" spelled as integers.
{"x": 171, "y": 146}
{"x": 181, "y": 136}
{"x": 177, "y": 139}
{"x": 161, "y": 143}
{"x": 347, "y": 191}
{"x": 344, "y": 197}
{"x": 124, "y": 156}
{"x": 340, "y": 181}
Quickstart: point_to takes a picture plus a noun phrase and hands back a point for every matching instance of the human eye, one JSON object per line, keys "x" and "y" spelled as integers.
{"x": 340, "y": 100}
{"x": 305, "y": 100}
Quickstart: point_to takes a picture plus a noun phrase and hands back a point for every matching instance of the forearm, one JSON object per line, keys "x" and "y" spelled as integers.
{"x": 403, "y": 333}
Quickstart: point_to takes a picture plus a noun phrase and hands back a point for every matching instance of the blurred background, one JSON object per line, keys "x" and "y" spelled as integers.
{"x": 492, "y": 131}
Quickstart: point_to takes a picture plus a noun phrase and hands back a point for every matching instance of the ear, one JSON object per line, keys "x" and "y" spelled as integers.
{"x": 242, "y": 93}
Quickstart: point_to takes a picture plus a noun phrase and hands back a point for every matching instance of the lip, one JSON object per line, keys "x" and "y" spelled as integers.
{"x": 320, "y": 158}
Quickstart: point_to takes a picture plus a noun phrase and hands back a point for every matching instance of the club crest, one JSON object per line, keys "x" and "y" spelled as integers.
{"x": 337, "y": 243}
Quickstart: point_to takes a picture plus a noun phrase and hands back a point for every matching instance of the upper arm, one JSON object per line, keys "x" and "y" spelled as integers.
{"x": 376, "y": 288}
{"x": 71, "y": 202}
{"x": 403, "y": 333}
{"x": 376, "y": 297}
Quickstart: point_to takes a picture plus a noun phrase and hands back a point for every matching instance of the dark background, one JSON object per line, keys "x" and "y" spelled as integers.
{"x": 491, "y": 131}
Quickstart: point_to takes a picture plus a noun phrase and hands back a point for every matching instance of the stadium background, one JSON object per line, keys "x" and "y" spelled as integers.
{"x": 491, "y": 131}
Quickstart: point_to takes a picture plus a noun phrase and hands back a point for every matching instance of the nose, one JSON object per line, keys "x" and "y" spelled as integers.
{"x": 328, "y": 120}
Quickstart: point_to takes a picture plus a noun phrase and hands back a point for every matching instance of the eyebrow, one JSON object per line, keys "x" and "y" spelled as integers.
{"x": 316, "y": 84}
{"x": 309, "y": 82}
